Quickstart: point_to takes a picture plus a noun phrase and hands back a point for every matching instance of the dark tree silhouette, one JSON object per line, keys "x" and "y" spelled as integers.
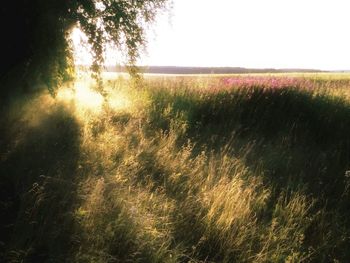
{"x": 35, "y": 47}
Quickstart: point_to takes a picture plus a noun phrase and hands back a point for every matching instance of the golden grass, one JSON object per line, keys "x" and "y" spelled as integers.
{"x": 147, "y": 195}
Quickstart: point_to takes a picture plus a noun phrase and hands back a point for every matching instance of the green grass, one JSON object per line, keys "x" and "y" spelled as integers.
{"x": 174, "y": 170}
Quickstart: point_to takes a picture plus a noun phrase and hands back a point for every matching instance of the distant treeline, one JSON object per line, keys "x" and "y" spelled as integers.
{"x": 206, "y": 70}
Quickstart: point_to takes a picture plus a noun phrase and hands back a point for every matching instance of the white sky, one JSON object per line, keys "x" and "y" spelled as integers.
{"x": 252, "y": 33}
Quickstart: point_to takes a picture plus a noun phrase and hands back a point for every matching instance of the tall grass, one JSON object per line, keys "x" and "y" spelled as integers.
{"x": 179, "y": 170}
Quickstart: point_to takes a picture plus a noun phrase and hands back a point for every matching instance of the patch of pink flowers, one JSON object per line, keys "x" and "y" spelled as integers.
{"x": 273, "y": 82}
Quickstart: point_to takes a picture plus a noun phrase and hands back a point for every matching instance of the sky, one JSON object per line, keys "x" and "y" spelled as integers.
{"x": 251, "y": 33}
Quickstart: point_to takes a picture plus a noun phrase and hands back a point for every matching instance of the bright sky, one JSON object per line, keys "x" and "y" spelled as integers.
{"x": 252, "y": 33}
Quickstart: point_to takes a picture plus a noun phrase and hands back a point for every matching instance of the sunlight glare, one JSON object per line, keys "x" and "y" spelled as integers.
{"x": 65, "y": 94}
{"x": 83, "y": 97}
{"x": 81, "y": 49}
{"x": 88, "y": 98}
{"x": 118, "y": 101}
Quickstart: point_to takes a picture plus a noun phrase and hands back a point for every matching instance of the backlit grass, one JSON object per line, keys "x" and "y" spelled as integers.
{"x": 179, "y": 169}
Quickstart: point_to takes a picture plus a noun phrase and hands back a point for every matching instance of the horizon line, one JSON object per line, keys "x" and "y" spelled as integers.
{"x": 224, "y": 67}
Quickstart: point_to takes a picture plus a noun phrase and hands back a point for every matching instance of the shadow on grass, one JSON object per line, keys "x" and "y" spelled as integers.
{"x": 38, "y": 189}
{"x": 296, "y": 135}
{"x": 299, "y": 139}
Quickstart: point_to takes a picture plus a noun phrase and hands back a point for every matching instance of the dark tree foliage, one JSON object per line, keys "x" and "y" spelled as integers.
{"x": 35, "y": 44}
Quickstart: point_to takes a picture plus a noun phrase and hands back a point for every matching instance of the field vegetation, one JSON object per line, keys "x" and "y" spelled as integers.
{"x": 233, "y": 168}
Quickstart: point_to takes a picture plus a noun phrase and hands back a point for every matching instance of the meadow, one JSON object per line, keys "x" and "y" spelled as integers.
{"x": 211, "y": 168}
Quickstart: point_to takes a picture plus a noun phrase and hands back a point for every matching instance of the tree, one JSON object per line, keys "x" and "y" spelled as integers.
{"x": 35, "y": 43}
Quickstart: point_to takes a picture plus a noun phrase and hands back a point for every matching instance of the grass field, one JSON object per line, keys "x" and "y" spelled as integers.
{"x": 230, "y": 168}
